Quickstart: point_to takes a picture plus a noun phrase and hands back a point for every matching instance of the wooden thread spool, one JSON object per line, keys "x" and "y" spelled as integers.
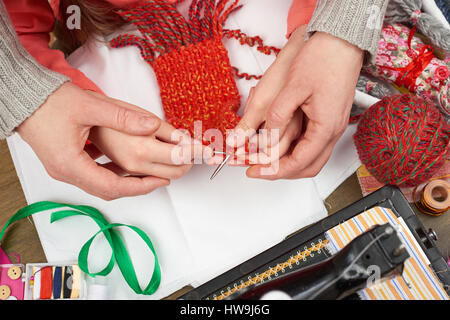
{"x": 435, "y": 198}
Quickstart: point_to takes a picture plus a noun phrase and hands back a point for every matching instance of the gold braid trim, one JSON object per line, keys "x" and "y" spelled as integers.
{"x": 270, "y": 272}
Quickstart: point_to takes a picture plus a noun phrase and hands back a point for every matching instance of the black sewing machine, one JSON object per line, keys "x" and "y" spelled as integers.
{"x": 320, "y": 275}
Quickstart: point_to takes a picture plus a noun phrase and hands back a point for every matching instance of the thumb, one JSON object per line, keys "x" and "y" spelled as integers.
{"x": 117, "y": 117}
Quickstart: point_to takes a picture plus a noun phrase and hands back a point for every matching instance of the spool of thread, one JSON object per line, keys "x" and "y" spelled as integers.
{"x": 435, "y": 198}
{"x": 276, "y": 295}
{"x": 98, "y": 292}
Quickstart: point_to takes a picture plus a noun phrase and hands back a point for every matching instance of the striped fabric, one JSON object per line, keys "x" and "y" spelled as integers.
{"x": 417, "y": 282}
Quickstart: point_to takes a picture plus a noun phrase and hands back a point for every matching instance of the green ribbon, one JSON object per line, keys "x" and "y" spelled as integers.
{"x": 119, "y": 251}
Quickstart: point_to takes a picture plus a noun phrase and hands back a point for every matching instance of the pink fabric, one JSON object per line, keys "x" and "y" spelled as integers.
{"x": 17, "y": 286}
{"x": 394, "y": 51}
{"x": 34, "y": 20}
{"x": 300, "y": 14}
{"x": 3, "y": 257}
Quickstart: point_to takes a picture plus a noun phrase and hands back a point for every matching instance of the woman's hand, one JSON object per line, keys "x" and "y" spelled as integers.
{"x": 320, "y": 82}
{"x": 167, "y": 153}
{"x": 58, "y": 131}
{"x": 259, "y": 101}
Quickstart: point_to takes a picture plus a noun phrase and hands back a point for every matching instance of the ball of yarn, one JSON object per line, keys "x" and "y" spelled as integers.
{"x": 402, "y": 140}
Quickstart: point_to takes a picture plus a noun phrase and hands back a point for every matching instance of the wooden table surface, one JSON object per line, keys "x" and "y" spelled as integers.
{"x": 23, "y": 239}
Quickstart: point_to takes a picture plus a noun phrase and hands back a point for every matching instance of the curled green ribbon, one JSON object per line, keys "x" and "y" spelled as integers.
{"x": 119, "y": 251}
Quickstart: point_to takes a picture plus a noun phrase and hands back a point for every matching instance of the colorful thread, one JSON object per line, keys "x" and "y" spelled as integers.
{"x": 76, "y": 281}
{"x": 46, "y": 283}
{"x": 402, "y": 140}
{"x": 427, "y": 204}
{"x": 36, "y": 281}
{"x": 67, "y": 282}
{"x": 57, "y": 282}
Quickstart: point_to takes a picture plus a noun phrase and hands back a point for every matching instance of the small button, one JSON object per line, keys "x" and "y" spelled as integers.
{"x": 5, "y": 292}
{"x": 14, "y": 273}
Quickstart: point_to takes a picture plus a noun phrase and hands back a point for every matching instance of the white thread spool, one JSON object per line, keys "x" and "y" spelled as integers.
{"x": 276, "y": 295}
{"x": 98, "y": 292}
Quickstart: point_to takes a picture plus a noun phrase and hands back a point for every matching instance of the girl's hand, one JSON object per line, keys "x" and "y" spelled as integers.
{"x": 58, "y": 131}
{"x": 167, "y": 153}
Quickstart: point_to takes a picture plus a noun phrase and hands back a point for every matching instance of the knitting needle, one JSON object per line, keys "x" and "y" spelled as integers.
{"x": 224, "y": 162}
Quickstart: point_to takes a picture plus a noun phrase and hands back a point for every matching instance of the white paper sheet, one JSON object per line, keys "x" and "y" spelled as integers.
{"x": 199, "y": 228}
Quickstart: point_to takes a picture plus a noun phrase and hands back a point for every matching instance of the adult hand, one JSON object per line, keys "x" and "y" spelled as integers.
{"x": 321, "y": 83}
{"x": 58, "y": 131}
{"x": 166, "y": 153}
{"x": 260, "y": 99}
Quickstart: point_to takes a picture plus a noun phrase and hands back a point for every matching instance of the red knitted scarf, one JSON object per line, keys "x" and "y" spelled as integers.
{"x": 192, "y": 67}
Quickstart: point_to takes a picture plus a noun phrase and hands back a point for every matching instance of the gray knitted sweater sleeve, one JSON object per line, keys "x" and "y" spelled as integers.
{"x": 356, "y": 21}
{"x": 24, "y": 84}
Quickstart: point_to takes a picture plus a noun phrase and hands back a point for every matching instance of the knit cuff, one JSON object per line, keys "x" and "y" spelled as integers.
{"x": 356, "y": 21}
{"x": 25, "y": 84}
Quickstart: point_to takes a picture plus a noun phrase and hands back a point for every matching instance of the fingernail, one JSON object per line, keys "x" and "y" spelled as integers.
{"x": 252, "y": 172}
{"x": 231, "y": 139}
{"x": 208, "y": 153}
{"x": 148, "y": 122}
{"x": 236, "y": 139}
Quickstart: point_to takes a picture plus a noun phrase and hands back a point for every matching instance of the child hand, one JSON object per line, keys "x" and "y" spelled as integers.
{"x": 167, "y": 153}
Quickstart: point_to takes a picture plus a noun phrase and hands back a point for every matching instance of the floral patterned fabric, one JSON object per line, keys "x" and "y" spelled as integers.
{"x": 412, "y": 64}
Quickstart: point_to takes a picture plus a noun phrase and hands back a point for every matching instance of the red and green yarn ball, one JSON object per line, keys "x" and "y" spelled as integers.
{"x": 402, "y": 140}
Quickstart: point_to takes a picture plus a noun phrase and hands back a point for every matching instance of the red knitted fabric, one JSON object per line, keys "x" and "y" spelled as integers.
{"x": 191, "y": 64}
{"x": 196, "y": 83}
{"x": 402, "y": 140}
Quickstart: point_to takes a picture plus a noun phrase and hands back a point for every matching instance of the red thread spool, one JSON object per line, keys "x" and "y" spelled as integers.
{"x": 402, "y": 140}
{"x": 46, "y": 283}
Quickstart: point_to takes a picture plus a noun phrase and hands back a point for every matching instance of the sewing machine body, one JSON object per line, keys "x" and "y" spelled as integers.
{"x": 306, "y": 246}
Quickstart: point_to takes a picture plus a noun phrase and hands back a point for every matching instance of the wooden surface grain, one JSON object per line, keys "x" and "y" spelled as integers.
{"x": 23, "y": 239}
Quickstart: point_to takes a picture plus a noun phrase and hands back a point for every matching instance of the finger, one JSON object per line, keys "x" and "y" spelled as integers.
{"x": 282, "y": 110}
{"x": 199, "y": 152}
{"x": 167, "y": 153}
{"x": 111, "y": 166}
{"x": 167, "y": 133}
{"x": 265, "y": 154}
{"x": 311, "y": 145}
{"x": 161, "y": 170}
{"x": 118, "y": 116}
{"x": 274, "y": 173}
{"x": 269, "y": 155}
{"x": 249, "y": 123}
{"x": 105, "y": 184}
{"x": 315, "y": 167}
{"x": 271, "y": 83}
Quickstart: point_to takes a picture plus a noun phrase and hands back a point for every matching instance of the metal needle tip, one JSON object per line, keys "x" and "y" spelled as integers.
{"x": 224, "y": 162}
